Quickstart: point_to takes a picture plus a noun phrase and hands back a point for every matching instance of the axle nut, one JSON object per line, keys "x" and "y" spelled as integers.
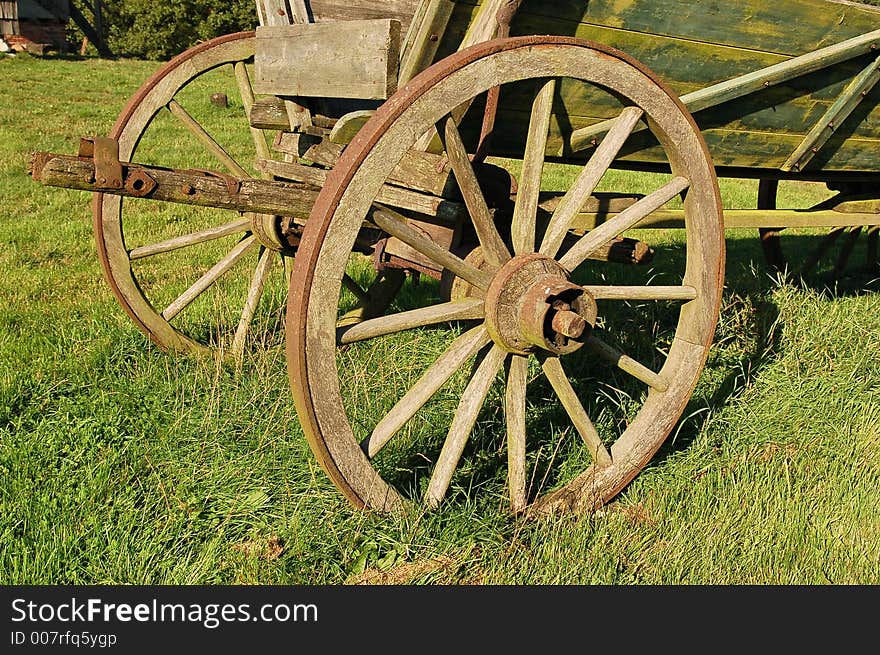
{"x": 570, "y": 324}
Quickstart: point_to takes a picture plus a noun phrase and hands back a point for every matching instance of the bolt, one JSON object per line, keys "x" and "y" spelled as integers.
{"x": 767, "y": 83}
{"x": 433, "y": 38}
{"x": 570, "y": 324}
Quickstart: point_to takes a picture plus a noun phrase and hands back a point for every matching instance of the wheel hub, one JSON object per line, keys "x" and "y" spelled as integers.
{"x": 274, "y": 232}
{"x": 532, "y": 304}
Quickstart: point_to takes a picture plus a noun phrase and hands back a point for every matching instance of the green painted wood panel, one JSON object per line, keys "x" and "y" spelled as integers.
{"x": 691, "y": 45}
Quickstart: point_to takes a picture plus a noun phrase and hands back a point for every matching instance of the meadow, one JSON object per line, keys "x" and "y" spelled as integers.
{"x": 123, "y": 464}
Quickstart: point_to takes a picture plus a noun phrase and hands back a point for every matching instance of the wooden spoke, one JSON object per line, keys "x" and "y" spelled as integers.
{"x": 625, "y": 220}
{"x": 205, "y": 139}
{"x": 627, "y": 364}
{"x": 515, "y": 415}
{"x": 443, "y": 313}
{"x": 355, "y": 288}
{"x": 395, "y": 225}
{"x": 255, "y": 292}
{"x": 247, "y": 99}
{"x": 463, "y": 348}
{"x": 472, "y": 400}
{"x": 589, "y": 177}
{"x": 846, "y": 251}
{"x": 552, "y": 368}
{"x": 641, "y": 293}
{"x": 190, "y": 239}
{"x": 209, "y": 278}
{"x": 823, "y": 247}
{"x": 526, "y": 209}
{"x": 494, "y": 250}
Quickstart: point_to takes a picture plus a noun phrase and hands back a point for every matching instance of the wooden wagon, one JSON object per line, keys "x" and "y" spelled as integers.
{"x": 408, "y": 140}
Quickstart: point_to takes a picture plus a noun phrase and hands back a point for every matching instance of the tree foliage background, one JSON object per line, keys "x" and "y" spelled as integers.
{"x": 160, "y": 29}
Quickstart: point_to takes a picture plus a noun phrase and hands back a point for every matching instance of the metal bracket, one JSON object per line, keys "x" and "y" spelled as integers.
{"x": 108, "y": 170}
{"x": 139, "y": 184}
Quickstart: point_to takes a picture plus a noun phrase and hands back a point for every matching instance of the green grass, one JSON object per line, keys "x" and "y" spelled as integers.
{"x": 121, "y": 464}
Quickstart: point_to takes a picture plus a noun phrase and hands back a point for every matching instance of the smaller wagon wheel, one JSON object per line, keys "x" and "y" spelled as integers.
{"x": 405, "y": 407}
{"x": 833, "y": 258}
{"x": 195, "y": 280}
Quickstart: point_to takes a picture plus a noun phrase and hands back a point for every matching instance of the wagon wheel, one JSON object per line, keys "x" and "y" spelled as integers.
{"x": 389, "y": 432}
{"x": 194, "y": 279}
{"x": 833, "y": 258}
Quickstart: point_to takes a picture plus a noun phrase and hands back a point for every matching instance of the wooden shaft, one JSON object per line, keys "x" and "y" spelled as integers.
{"x": 627, "y": 364}
{"x": 209, "y": 278}
{"x": 589, "y": 177}
{"x": 247, "y": 99}
{"x": 464, "y": 310}
{"x": 641, "y": 293}
{"x": 494, "y": 250}
{"x": 526, "y": 208}
{"x": 472, "y": 399}
{"x": 395, "y": 225}
{"x": 555, "y": 374}
{"x": 462, "y": 349}
{"x": 255, "y": 292}
{"x": 187, "y": 240}
{"x": 206, "y": 139}
{"x": 184, "y": 187}
{"x": 515, "y": 416}
{"x": 625, "y": 220}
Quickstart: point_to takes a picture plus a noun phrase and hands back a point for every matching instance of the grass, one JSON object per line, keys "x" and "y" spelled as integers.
{"x": 122, "y": 464}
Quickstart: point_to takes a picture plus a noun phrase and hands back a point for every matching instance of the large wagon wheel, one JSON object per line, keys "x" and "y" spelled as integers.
{"x": 192, "y": 278}
{"x": 833, "y": 258}
{"x": 528, "y": 317}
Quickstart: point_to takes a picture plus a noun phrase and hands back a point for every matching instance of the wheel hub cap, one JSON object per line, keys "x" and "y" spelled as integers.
{"x": 532, "y": 304}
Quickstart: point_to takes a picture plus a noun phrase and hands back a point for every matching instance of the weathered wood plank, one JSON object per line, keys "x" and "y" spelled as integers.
{"x": 421, "y": 171}
{"x": 283, "y": 13}
{"x": 717, "y": 42}
{"x": 758, "y": 149}
{"x": 752, "y": 24}
{"x": 394, "y": 196}
{"x": 853, "y": 95}
{"x": 423, "y": 41}
{"x": 347, "y": 10}
{"x": 349, "y": 125}
{"x": 358, "y": 59}
{"x": 743, "y": 85}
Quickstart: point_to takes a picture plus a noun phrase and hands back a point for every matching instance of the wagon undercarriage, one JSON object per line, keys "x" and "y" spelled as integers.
{"x": 529, "y": 284}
